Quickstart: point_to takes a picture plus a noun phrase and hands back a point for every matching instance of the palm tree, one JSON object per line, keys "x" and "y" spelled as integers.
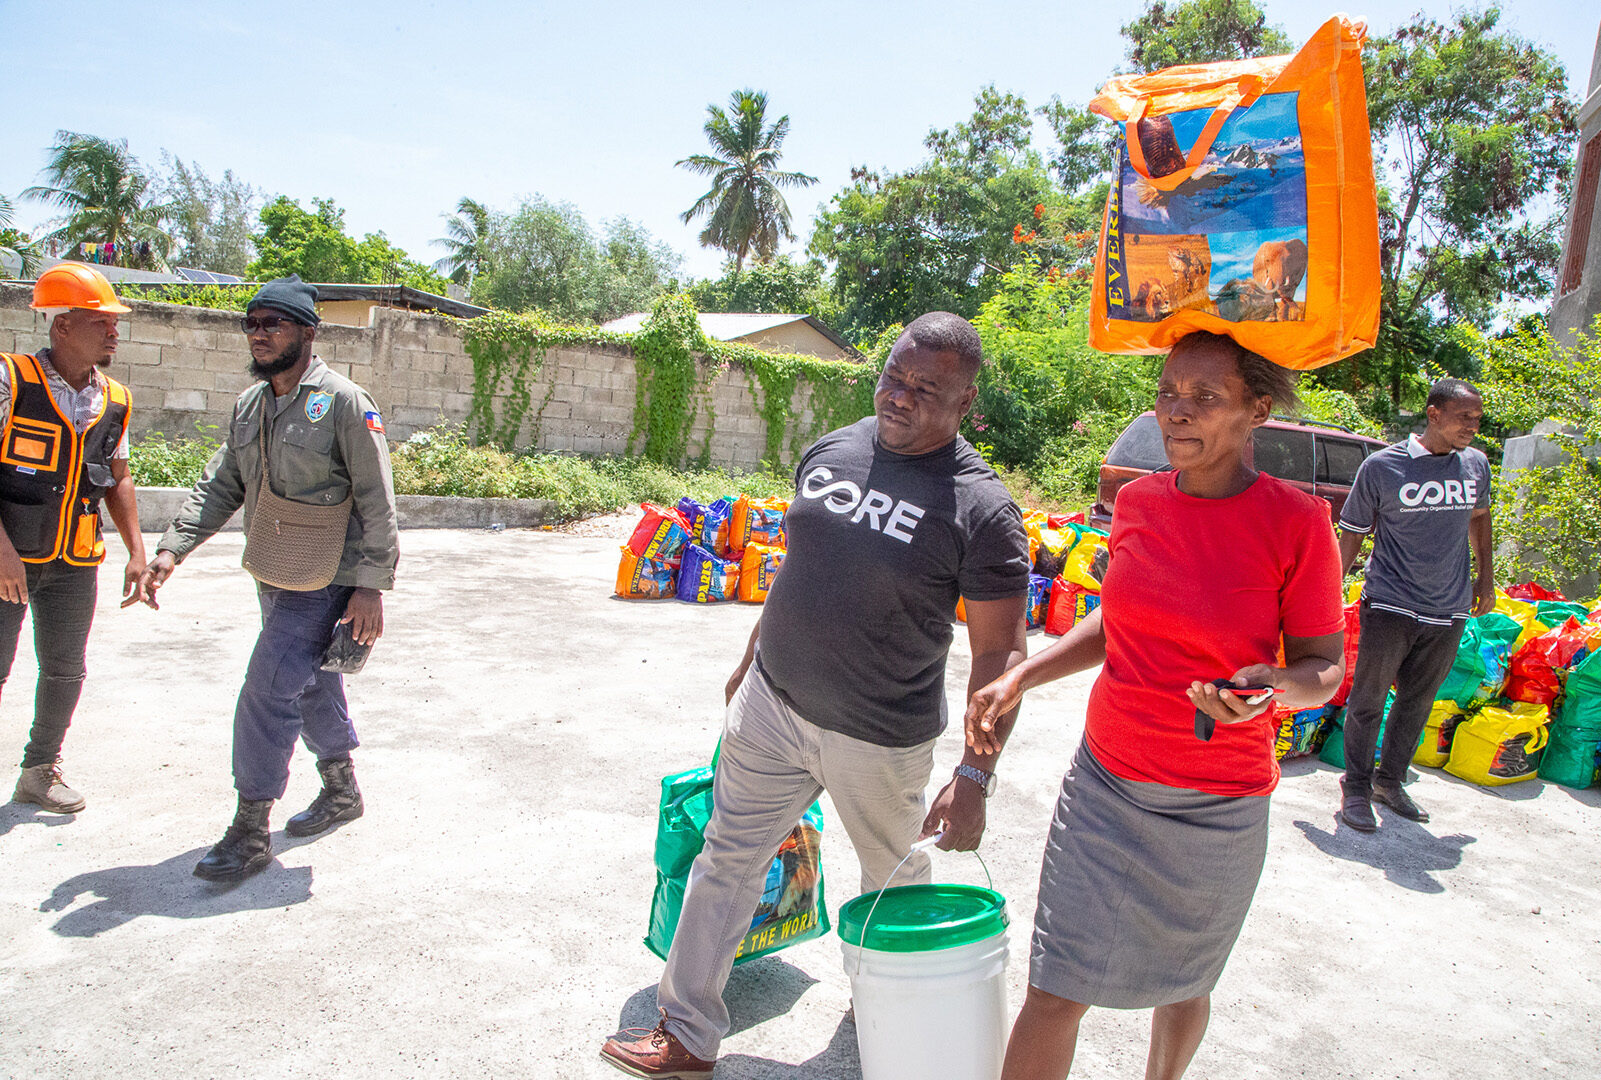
{"x": 13, "y": 244}
{"x": 467, "y": 240}
{"x": 102, "y": 192}
{"x": 745, "y": 211}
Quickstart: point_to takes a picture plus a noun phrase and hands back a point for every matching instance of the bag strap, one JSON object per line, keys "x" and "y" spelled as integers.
{"x": 1243, "y": 92}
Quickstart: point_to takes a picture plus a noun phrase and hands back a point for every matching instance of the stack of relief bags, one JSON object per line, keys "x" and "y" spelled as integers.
{"x": 1522, "y": 699}
{"x": 1067, "y": 560}
{"x": 728, "y": 549}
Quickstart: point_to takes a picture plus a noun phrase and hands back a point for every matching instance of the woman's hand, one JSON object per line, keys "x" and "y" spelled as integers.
{"x": 986, "y": 707}
{"x": 1227, "y": 707}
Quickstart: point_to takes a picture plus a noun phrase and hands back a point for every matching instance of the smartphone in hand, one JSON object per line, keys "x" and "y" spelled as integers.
{"x": 1251, "y": 695}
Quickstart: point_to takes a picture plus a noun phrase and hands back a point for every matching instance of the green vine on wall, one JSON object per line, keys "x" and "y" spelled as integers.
{"x": 841, "y": 392}
{"x": 508, "y": 353}
{"x": 668, "y": 387}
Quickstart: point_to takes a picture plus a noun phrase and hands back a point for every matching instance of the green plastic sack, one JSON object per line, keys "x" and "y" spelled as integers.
{"x": 1570, "y": 756}
{"x": 1556, "y": 612}
{"x": 1483, "y": 660}
{"x": 1333, "y": 752}
{"x": 791, "y": 908}
{"x": 1584, "y": 684}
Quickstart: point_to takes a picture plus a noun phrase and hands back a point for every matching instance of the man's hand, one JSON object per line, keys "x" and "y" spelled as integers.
{"x": 960, "y": 808}
{"x": 733, "y": 682}
{"x": 132, "y": 587}
{"x": 365, "y": 614}
{"x": 13, "y": 577}
{"x": 1483, "y": 596}
{"x": 153, "y": 576}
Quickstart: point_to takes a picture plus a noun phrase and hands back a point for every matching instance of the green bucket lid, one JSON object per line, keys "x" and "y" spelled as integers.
{"x": 924, "y": 918}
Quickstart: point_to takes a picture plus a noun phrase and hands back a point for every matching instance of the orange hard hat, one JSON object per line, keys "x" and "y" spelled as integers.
{"x": 74, "y": 285}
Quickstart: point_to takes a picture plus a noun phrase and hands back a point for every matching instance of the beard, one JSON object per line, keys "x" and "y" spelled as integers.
{"x": 276, "y": 366}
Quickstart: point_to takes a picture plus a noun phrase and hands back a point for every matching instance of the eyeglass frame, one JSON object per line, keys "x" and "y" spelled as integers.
{"x": 250, "y": 324}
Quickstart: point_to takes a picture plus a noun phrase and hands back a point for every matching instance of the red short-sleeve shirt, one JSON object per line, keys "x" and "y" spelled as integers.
{"x": 1195, "y": 590}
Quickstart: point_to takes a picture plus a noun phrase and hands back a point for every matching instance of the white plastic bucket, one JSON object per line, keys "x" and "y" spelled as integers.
{"x": 931, "y": 1002}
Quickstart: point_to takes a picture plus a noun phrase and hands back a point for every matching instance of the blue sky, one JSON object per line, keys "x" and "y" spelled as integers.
{"x": 396, "y": 110}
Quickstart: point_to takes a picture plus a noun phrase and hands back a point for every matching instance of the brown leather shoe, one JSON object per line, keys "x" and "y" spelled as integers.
{"x": 42, "y": 785}
{"x": 654, "y": 1052}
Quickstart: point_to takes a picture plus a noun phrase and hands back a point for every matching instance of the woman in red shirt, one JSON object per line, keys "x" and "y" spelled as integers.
{"x": 1160, "y": 833}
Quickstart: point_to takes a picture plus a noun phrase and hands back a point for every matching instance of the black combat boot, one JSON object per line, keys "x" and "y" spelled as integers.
{"x": 245, "y": 848}
{"x": 339, "y": 800}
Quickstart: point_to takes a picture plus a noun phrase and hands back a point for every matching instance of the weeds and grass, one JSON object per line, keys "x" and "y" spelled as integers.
{"x": 157, "y": 461}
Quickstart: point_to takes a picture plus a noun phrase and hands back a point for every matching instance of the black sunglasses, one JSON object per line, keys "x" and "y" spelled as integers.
{"x": 271, "y": 324}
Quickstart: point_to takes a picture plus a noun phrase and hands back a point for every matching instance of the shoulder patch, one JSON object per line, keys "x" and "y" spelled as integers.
{"x": 374, "y": 422}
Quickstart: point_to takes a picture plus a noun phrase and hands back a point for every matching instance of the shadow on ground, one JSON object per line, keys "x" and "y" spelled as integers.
{"x": 169, "y": 889}
{"x": 758, "y": 992}
{"x": 1406, "y": 851}
{"x": 13, "y": 814}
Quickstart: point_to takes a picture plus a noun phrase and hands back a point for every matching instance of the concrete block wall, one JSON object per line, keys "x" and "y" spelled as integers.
{"x": 185, "y": 366}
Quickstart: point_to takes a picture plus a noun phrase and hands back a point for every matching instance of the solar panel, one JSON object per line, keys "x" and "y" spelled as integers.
{"x": 208, "y": 277}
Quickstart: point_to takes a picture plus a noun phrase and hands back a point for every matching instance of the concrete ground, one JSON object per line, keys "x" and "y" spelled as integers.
{"x": 484, "y": 918}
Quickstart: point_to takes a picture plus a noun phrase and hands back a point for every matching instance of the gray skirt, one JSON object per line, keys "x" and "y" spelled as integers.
{"x": 1144, "y": 889}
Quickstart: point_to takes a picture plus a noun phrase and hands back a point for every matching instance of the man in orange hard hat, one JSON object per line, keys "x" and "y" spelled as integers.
{"x": 63, "y": 448}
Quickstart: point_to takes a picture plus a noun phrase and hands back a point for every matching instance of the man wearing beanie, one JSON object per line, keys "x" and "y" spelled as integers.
{"x": 325, "y": 445}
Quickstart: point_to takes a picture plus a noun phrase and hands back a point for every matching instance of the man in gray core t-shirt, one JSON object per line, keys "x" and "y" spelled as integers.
{"x": 1425, "y": 501}
{"x": 842, "y": 686}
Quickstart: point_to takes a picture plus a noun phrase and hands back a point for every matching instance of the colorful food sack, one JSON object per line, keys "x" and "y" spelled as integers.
{"x": 1333, "y": 752}
{"x": 705, "y": 579}
{"x": 1303, "y": 733}
{"x": 1438, "y": 730}
{"x": 660, "y": 535}
{"x": 1537, "y": 668}
{"x": 1570, "y": 759}
{"x": 1483, "y": 660}
{"x": 756, "y": 521}
{"x": 639, "y": 578}
{"x": 1070, "y": 604}
{"x": 791, "y": 908}
{"x": 1039, "y": 600}
{"x": 1085, "y": 565}
{"x": 1530, "y": 591}
{"x": 757, "y": 568}
{"x": 1499, "y": 745}
{"x": 1353, "y": 642}
{"x": 1243, "y": 203}
{"x": 1059, "y": 521}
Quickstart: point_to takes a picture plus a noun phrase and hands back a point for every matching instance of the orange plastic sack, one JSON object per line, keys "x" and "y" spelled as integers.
{"x": 1244, "y": 205}
{"x": 757, "y": 568}
{"x": 640, "y": 578}
{"x": 756, "y": 521}
{"x": 1070, "y": 604}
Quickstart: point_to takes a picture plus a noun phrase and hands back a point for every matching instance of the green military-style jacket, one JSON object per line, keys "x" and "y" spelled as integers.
{"x": 325, "y": 442}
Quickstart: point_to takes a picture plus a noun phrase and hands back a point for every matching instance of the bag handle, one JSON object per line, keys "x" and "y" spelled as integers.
{"x": 1243, "y": 92}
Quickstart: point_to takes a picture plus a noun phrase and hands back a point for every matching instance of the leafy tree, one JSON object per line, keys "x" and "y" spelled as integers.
{"x": 465, "y": 240}
{"x": 316, "y": 246}
{"x": 544, "y": 257}
{"x": 211, "y": 221}
{"x": 105, "y": 197}
{"x": 745, "y": 209}
{"x": 14, "y": 243}
{"x": 1201, "y": 32}
{"x": 782, "y": 286}
{"x": 940, "y": 235}
{"x": 1548, "y": 517}
{"x": 1473, "y": 135}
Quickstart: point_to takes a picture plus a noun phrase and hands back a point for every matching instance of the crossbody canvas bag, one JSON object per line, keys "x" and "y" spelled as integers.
{"x": 293, "y": 545}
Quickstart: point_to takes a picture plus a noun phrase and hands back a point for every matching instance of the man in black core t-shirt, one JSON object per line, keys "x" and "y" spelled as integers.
{"x": 842, "y": 684}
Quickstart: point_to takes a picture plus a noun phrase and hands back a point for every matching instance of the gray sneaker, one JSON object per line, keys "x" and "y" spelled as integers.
{"x": 42, "y": 784}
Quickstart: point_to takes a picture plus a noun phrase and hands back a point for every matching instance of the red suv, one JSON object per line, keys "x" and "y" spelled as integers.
{"x": 1320, "y": 459}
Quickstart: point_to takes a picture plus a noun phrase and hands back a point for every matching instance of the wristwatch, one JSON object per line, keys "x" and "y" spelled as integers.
{"x": 985, "y": 780}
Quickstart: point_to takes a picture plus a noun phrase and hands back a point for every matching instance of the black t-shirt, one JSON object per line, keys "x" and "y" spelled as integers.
{"x": 857, "y": 625}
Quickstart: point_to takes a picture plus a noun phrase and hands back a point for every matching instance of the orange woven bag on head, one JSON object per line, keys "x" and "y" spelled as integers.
{"x": 1243, "y": 204}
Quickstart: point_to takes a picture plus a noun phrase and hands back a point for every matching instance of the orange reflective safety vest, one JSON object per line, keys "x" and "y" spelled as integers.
{"x": 51, "y": 477}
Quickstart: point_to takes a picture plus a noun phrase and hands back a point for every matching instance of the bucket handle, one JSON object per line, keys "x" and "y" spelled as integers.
{"x": 922, "y": 845}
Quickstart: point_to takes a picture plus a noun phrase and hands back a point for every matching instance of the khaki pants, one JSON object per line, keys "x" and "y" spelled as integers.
{"x": 773, "y": 765}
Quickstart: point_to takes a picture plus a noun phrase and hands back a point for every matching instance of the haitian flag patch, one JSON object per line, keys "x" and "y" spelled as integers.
{"x": 375, "y": 422}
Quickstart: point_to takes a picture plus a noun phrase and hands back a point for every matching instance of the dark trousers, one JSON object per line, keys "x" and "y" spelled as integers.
{"x": 1414, "y": 657}
{"x": 286, "y": 695}
{"x": 62, "y": 597}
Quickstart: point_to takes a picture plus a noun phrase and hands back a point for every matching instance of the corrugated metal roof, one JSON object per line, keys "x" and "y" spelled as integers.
{"x": 731, "y": 326}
